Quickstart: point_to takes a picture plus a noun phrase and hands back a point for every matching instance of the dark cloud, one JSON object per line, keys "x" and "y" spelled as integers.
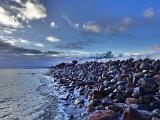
{"x": 76, "y": 45}
{"x": 6, "y": 48}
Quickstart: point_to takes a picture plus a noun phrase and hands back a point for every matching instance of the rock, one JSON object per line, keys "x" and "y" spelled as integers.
{"x": 90, "y": 107}
{"x": 112, "y": 95}
{"x": 96, "y": 102}
{"x": 72, "y": 84}
{"x": 155, "y": 105}
{"x": 148, "y": 82}
{"x": 96, "y": 95}
{"x": 120, "y": 98}
{"x": 65, "y": 97}
{"x": 115, "y": 108}
{"x": 146, "y": 99}
{"x": 155, "y": 113}
{"x": 61, "y": 65}
{"x": 145, "y": 114}
{"x": 132, "y": 101}
{"x": 138, "y": 91}
{"x": 138, "y": 75}
{"x": 132, "y": 114}
{"x": 101, "y": 107}
{"x": 106, "y": 101}
{"x": 78, "y": 101}
{"x": 144, "y": 66}
{"x": 157, "y": 78}
{"x": 102, "y": 115}
{"x": 84, "y": 114}
{"x": 128, "y": 92}
{"x": 88, "y": 82}
{"x": 107, "y": 83}
{"x": 130, "y": 85}
{"x": 74, "y": 62}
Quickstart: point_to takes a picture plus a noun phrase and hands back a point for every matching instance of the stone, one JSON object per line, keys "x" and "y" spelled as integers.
{"x": 132, "y": 114}
{"x": 130, "y": 85}
{"x": 102, "y": 115}
{"x": 78, "y": 101}
{"x": 132, "y": 101}
{"x": 106, "y": 101}
{"x": 101, "y": 107}
{"x": 146, "y": 99}
{"x": 155, "y": 105}
{"x": 107, "y": 83}
{"x": 65, "y": 97}
{"x": 96, "y": 95}
{"x": 115, "y": 108}
{"x": 156, "y": 113}
{"x": 144, "y": 66}
{"x": 96, "y": 102}
{"x": 90, "y": 107}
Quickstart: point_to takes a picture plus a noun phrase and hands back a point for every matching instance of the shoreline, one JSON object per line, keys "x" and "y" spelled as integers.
{"x": 86, "y": 107}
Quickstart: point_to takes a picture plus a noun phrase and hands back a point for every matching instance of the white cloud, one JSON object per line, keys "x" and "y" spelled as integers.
{"x": 5, "y": 30}
{"x": 92, "y": 27}
{"x": 53, "y": 24}
{"x": 38, "y": 44}
{"x": 12, "y": 42}
{"x": 8, "y": 20}
{"x": 123, "y": 26}
{"x": 127, "y": 21}
{"x": 32, "y": 11}
{"x": 24, "y": 41}
{"x": 52, "y": 39}
{"x": 149, "y": 13}
{"x": 74, "y": 25}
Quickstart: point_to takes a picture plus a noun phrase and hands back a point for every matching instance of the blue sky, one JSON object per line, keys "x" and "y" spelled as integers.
{"x": 81, "y": 27}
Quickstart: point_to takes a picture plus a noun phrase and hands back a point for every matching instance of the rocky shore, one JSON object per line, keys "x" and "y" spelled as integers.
{"x": 113, "y": 90}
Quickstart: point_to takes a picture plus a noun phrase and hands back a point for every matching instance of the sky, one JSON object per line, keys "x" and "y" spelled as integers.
{"x": 79, "y": 27}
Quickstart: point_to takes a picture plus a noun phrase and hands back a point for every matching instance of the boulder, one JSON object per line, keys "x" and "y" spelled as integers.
{"x": 132, "y": 101}
{"x": 102, "y": 115}
{"x": 132, "y": 114}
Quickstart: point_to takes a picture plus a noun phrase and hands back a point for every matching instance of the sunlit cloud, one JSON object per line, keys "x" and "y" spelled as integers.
{"x": 92, "y": 27}
{"x": 8, "y": 20}
{"x": 39, "y": 45}
{"x": 149, "y": 13}
{"x": 32, "y": 11}
{"x": 52, "y": 39}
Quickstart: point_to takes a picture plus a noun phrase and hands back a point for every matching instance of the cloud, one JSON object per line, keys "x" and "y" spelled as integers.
{"x": 24, "y": 41}
{"x": 78, "y": 53}
{"x": 53, "y": 24}
{"x": 15, "y": 41}
{"x": 8, "y": 20}
{"x": 17, "y": 1}
{"x": 77, "y": 45}
{"x": 20, "y": 41}
{"x": 154, "y": 48}
{"x": 149, "y": 13}
{"x": 52, "y": 39}
{"x": 32, "y": 11}
{"x": 38, "y": 44}
{"x": 91, "y": 27}
{"x": 15, "y": 14}
{"x": 7, "y": 48}
{"x": 121, "y": 27}
{"x": 74, "y": 25}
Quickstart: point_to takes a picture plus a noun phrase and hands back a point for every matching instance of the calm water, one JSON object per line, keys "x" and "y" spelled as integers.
{"x": 24, "y": 95}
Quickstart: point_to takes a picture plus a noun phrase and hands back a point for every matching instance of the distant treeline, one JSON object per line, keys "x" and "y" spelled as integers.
{"x": 107, "y": 54}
